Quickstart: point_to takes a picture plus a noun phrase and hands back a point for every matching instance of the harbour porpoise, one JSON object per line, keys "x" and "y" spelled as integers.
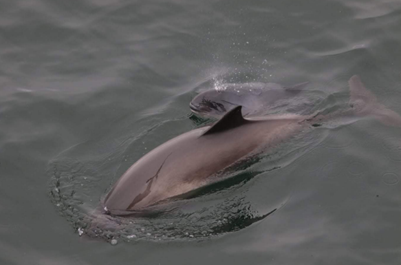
{"x": 253, "y": 97}
{"x": 194, "y": 159}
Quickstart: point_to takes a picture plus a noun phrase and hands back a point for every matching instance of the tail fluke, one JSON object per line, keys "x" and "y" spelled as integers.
{"x": 365, "y": 103}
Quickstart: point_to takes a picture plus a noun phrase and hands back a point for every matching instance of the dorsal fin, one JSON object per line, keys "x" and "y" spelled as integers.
{"x": 232, "y": 119}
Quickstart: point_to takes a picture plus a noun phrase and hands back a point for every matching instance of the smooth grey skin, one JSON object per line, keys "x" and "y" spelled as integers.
{"x": 191, "y": 160}
{"x": 253, "y": 97}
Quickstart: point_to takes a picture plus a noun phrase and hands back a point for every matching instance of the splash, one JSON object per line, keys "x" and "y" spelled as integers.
{"x": 219, "y": 85}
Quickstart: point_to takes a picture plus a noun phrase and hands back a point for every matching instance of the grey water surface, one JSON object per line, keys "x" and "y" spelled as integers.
{"x": 88, "y": 87}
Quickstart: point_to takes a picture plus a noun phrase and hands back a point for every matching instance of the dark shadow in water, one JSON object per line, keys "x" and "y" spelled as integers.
{"x": 199, "y": 121}
{"x": 241, "y": 221}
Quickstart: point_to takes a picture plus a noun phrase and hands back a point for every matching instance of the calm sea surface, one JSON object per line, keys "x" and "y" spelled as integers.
{"x": 88, "y": 87}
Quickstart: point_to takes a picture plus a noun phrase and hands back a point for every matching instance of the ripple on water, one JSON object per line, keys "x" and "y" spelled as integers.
{"x": 200, "y": 217}
{"x": 390, "y": 142}
{"x": 355, "y": 168}
{"x": 390, "y": 178}
{"x": 339, "y": 139}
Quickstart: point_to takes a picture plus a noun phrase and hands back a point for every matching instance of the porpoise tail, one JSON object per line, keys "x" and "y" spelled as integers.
{"x": 365, "y": 103}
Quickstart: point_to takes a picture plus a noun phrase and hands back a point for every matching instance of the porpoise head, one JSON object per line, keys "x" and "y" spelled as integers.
{"x": 211, "y": 103}
{"x": 253, "y": 97}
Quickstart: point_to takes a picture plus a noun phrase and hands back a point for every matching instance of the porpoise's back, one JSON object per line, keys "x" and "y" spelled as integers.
{"x": 190, "y": 160}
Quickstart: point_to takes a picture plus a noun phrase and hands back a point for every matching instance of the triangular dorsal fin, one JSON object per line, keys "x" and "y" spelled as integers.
{"x": 297, "y": 87}
{"x": 232, "y": 119}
